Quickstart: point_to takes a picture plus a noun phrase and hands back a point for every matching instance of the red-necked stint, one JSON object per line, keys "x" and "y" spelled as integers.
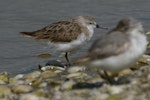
{"x": 68, "y": 35}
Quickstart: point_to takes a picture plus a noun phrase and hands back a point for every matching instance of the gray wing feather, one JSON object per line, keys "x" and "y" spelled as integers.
{"x": 109, "y": 45}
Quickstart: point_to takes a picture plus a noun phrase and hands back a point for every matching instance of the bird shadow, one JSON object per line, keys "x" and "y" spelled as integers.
{"x": 85, "y": 85}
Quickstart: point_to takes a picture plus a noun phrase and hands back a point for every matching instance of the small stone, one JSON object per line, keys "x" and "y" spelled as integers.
{"x": 11, "y": 80}
{"x": 45, "y": 68}
{"x": 22, "y": 89}
{"x": 148, "y": 76}
{"x": 44, "y": 84}
{"x": 67, "y": 85}
{"x": 145, "y": 59}
{"x": 29, "y": 97}
{"x": 17, "y": 82}
{"x": 4, "y": 77}
{"x": 58, "y": 71}
{"x": 54, "y": 83}
{"x": 100, "y": 97}
{"x": 77, "y": 75}
{"x": 19, "y": 76}
{"x": 40, "y": 93}
{"x": 115, "y": 89}
{"x": 125, "y": 72}
{"x": 113, "y": 97}
{"x": 75, "y": 69}
{"x": 32, "y": 97}
{"x": 36, "y": 82}
{"x": 32, "y": 75}
{"x": 48, "y": 74}
{"x": 4, "y": 91}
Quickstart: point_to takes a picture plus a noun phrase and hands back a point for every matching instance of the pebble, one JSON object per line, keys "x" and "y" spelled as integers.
{"x": 67, "y": 85}
{"x": 32, "y": 75}
{"x": 4, "y": 77}
{"x": 22, "y": 89}
{"x": 48, "y": 74}
{"x": 74, "y": 83}
{"x": 77, "y": 75}
{"x": 115, "y": 89}
{"x": 29, "y": 97}
{"x": 75, "y": 69}
{"x": 4, "y": 91}
{"x": 32, "y": 97}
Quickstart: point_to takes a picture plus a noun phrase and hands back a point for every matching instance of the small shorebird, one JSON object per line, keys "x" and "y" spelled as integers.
{"x": 68, "y": 35}
{"x": 118, "y": 49}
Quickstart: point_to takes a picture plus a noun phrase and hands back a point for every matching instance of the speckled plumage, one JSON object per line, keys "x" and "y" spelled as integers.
{"x": 67, "y": 35}
{"x": 62, "y": 31}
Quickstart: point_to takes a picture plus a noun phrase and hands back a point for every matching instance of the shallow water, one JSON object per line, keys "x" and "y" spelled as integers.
{"x": 18, "y": 54}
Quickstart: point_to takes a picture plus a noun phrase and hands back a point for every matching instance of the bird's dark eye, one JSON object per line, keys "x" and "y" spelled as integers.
{"x": 90, "y": 23}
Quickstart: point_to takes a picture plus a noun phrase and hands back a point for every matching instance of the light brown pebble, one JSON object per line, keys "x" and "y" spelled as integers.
{"x": 4, "y": 90}
{"x": 101, "y": 96}
{"x": 75, "y": 69}
{"x": 32, "y": 75}
{"x": 58, "y": 71}
{"x": 145, "y": 59}
{"x": 77, "y": 75}
{"x": 19, "y": 76}
{"x": 125, "y": 72}
{"x": 32, "y": 97}
{"x": 36, "y": 82}
{"x": 4, "y": 77}
{"x": 148, "y": 76}
{"x": 22, "y": 89}
{"x": 17, "y": 82}
{"x": 29, "y": 97}
{"x": 115, "y": 89}
{"x": 41, "y": 93}
{"x": 48, "y": 74}
{"x": 2, "y": 82}
{"x": 113, "y": 97}
{"x": 43, "y": 84}
{"x": 67, "y": 85}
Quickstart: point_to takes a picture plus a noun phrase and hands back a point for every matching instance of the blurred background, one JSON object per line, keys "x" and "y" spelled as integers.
{"x": 19, "y": 54}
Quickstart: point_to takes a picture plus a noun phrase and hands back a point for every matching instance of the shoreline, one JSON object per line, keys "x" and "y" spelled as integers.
{"x": 77, "y": 83}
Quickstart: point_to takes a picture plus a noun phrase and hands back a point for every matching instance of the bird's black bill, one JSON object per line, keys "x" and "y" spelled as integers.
{"x": 98, "y": 26}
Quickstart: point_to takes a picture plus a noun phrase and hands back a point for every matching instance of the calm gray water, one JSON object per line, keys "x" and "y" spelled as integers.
{"x": 18, "y": 54}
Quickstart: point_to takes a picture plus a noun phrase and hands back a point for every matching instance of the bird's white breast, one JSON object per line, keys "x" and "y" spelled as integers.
{"x": 91, "y": 31}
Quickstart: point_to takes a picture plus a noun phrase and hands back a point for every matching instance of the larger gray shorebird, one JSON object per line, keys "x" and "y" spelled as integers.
{"x": 118, "y": 49}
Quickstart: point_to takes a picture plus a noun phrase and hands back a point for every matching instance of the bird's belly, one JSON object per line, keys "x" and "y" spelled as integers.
{"x": 70, "y": 46}
{"x": 122, "y": 61}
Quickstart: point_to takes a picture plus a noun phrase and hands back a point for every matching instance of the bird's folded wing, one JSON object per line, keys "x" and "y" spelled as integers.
{"x": 110, "y": 45}
{"x": 63, "y": 31}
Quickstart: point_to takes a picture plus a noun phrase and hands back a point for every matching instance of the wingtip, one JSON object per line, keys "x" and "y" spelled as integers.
{"x": 26, "y": 34}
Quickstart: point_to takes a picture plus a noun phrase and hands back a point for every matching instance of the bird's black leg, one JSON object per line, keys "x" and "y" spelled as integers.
{"x": 110, "y": 79}
{"x": 68, "y": 61}
{"x": 105, "y": 76}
